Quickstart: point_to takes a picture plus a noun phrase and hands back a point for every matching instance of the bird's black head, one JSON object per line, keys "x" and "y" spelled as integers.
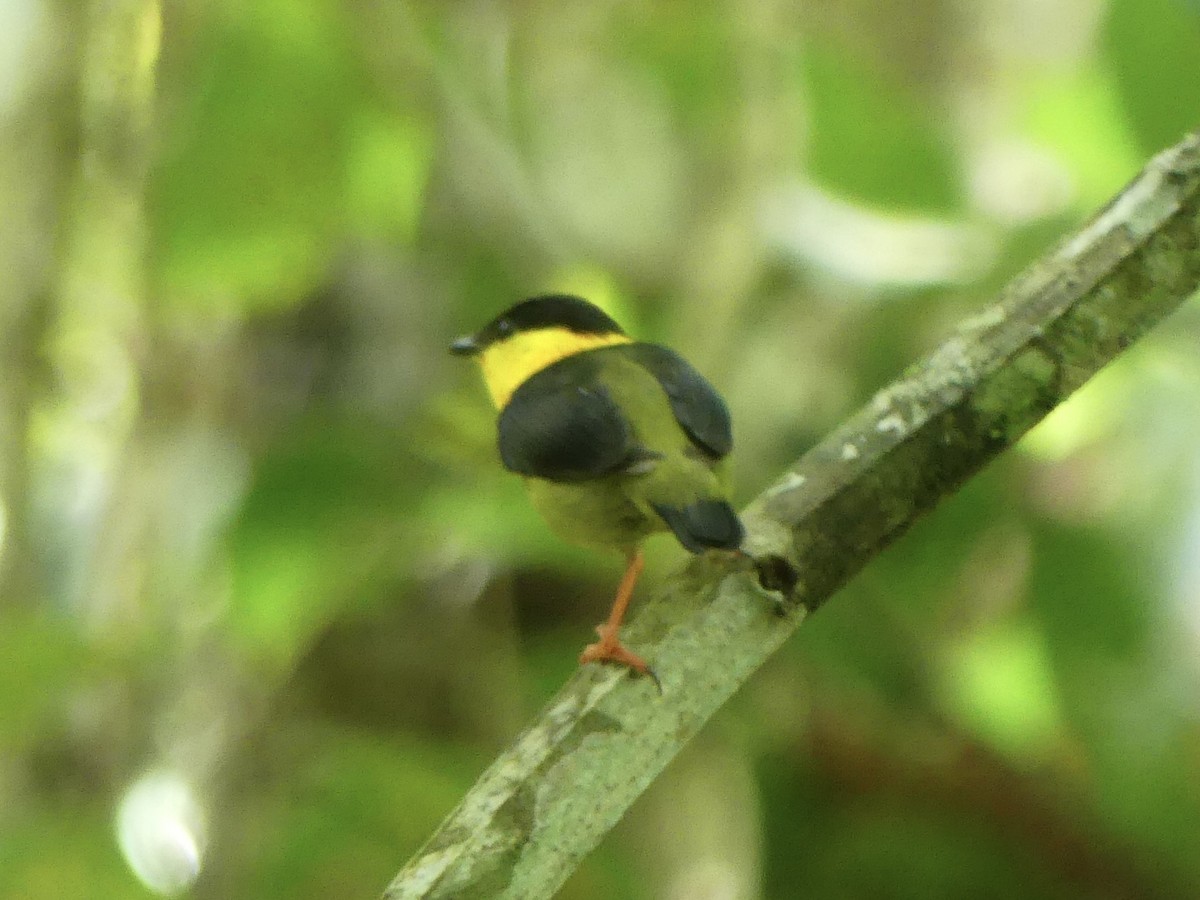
{"x": 573, "y": 314}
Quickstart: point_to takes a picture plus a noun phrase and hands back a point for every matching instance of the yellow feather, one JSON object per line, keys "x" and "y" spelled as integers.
{"x": 507, "y": 364}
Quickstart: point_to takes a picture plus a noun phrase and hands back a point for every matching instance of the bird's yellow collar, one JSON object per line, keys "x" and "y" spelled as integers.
{"x": 509, "y": 363}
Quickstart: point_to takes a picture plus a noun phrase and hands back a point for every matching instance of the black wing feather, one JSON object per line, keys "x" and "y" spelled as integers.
{"x": 562, "y": 425}
{"x": 696, "y": 404}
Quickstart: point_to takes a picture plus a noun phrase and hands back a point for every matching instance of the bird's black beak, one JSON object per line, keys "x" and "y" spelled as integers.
{"x": 465, "y": 346}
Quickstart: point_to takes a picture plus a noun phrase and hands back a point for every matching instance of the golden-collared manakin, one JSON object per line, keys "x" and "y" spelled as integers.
{"x": 616, "y": 438}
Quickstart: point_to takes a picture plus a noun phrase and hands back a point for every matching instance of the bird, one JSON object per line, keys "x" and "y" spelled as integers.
{"x": 616, "y": 439}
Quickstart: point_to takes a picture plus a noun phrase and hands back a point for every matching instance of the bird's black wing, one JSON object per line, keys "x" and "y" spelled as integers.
{"x": 562, "y": 425}
{"x": 697, "y": 406}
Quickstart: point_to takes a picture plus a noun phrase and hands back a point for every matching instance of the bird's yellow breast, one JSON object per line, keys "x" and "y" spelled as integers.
{"x": 509, "y": 363}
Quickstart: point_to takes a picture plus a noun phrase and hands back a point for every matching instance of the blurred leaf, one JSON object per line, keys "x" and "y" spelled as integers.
{"x": 41, "y": 655}
{"x": 327, "y": 508}
{"x": 1000, "y": 685}
{"x": 387, "y": 168}
{"x": 688, "y": 51}
{"x": 1092, "y": 614}
{"x": 607, "y": 162}
{"x": 1079, "y": 115}
{"x": 942, "y": 856}
{"x": 869, "y": 839}
{"x": 354, "y": 805}
{"x": 1090, "y": 592}
{"x": 1154, "y": 46}
{"x": 70, "y": 852}
{"x": 881, "y": 628}
{"x": 247, "y": 203}
{"x": 874, "y": 141}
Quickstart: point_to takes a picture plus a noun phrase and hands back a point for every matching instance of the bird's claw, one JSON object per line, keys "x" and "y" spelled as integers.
{"x": 609, "y": 649}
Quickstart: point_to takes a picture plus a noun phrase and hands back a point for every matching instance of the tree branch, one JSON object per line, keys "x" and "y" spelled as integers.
{"x": 550, "y": 798}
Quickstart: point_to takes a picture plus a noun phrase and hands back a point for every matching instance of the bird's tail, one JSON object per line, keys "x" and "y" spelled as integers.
{"x": 703, "y": 525}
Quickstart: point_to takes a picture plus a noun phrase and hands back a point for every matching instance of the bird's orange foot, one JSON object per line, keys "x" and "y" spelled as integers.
{"x": 609, "y": 649}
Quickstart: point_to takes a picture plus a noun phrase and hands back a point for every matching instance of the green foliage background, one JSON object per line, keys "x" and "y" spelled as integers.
{"x": 255, "y": 544}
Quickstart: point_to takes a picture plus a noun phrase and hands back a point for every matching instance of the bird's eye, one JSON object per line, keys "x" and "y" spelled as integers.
{"x": 504, "y": 328}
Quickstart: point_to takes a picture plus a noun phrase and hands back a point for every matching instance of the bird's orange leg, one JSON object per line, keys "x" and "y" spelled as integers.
{"x": 609, "y": 648}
